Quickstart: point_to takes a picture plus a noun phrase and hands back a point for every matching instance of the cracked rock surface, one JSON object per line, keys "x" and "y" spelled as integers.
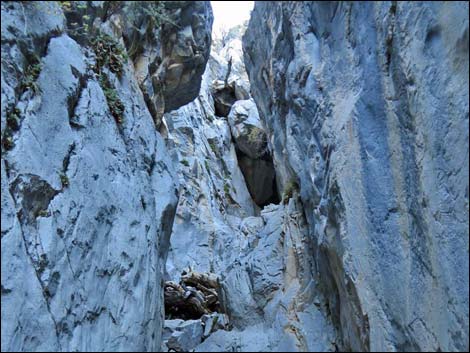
{"x": 87, "y": 202}
{"x": 299, "y": 184}
{"x": 366, "y": 105}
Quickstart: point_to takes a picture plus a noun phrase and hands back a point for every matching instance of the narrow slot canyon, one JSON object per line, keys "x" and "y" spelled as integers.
{"x": 229, "y": 181}
{"x": 196, "y": 176}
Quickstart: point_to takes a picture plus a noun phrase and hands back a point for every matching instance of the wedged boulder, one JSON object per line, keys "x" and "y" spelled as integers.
{"x": 187, "y": 51}
{"x": 242, "y": 89}
{"x": 247, "y": 130}
{"x": 253, "y": 153}
{"x": 224, "y": 97}
{"x": 170, "y": 55}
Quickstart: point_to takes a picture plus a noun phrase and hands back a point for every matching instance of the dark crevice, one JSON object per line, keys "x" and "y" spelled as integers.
{"x": 150, "y": 102}
{"x": 74, "y": 98}
{"x": 35, "y": 196}
{"x": 260, "y": 178}
{"x": 197, "y": 294}
{"x": 66, "y": 160}
{"x": 224, "y": 98}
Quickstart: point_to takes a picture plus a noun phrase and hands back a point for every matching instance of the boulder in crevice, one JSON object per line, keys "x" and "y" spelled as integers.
{"x": 224, "y": 97}
{"x": 254, "y": 156}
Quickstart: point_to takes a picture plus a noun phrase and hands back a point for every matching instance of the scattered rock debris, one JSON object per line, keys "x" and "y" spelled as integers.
{"x": 195, "y": 296}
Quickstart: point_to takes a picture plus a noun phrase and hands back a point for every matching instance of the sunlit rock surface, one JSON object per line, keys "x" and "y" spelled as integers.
{"x": 366, "y": 106}
{"x": 87, "y": 202}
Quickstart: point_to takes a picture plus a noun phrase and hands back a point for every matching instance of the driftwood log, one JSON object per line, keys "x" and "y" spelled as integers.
{"x": 194, "y": 296}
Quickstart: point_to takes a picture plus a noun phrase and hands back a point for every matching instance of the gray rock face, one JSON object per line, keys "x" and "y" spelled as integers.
{"x": 213, "y": 189}
{"x": 270, "y": 291}
{"x": 88, "y": 200}
{"x": 366, "y": 106}
{"x": 182, "y": 336}
{"x": 116, "y": 135}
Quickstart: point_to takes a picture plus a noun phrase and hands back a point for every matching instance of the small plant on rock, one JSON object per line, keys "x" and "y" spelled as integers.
{"x": 155, "y": 11}
{"x": 13, "y": 118}
{"x": 213, "y": 147}
{"x": 64, "y": 180}
{"x": 255, "y": 134}
{"x": 114, "y": 102}
{"x": 184, "y": 162}
{"x": 7, "y": 141}
{"x": 43, "y": 213}
{"x": 289, "y": 189}
{"x": 66, "y": 5}
{"x": 31, "y": 74}
{"x": 109, "y": 53}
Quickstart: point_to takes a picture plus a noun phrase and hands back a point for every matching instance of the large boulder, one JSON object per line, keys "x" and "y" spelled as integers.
{"x": 254, "y": 156}
{"x": 247, "y": 130}
{"x": 187, "y": 51}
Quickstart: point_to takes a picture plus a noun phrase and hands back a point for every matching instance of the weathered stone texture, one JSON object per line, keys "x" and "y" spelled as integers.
{"x": 87, "y": 202}
{"x": 366, "y": 106}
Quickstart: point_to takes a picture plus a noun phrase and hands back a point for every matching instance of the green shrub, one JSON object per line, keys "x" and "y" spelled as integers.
{"x": 31, "y": 74}
{"x": 289, "y": 189}
{"x": 115, "y": 104}
{"x": 66, "y": 5}
{"x": 144, "y": 17}
{"x": 184, "y": 162}
{"x": 12, "y": 114}
{"x": 213, "y": 147}
{"x": 64, "y": 180}
{"x": 7, "y": 141}
{"x": 108, "y": 53}
{"x": 80, "y": 17}
{"x": 13, "y": 118}
{"x": 155, "y": 11}
{"x": 43, "y": 213}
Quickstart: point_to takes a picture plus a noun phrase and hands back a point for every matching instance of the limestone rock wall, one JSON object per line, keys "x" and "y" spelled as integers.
{"x": 89, "y": 191}
{"x": 366, "y": 106}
